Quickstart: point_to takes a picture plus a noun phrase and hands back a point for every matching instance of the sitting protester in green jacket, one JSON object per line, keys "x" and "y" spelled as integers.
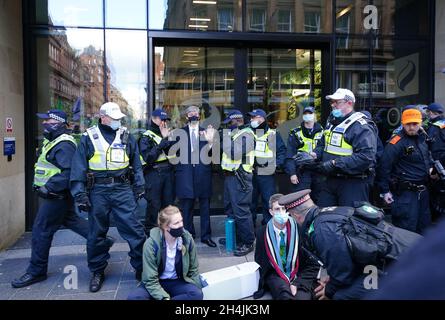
{"x": 170, "y": 265}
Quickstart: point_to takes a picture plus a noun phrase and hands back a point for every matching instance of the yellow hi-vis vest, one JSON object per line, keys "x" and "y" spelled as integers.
{"x": 309, "y": 143}
{"x": 335, "y": 136}
{"x": 157, "y": 139}
{"x": 107, "y": 157}
{"x": 233, "y": 165}
{"x": 262, "y": 149}
{"x": 43, "y": 169}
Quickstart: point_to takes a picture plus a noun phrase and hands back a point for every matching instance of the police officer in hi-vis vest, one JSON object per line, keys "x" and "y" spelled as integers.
{"x": 238, "y": 156}
{"x": 51, "y": 182}
{"x": 304, "y": 138}
{"x": 101, "y": 183}
{"x": 158, "y": 171}
{"x": 347, "y": 152}
{"x": 270, "y": 153}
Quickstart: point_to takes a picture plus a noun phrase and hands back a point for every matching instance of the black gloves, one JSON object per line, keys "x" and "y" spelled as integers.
{"x": 139, "y": 192}
{"x": 326, "y": 167}
{"x": 83, "y": 202}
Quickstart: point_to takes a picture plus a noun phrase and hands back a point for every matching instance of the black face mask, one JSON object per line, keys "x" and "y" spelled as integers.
{"x": 53, "y": 130}
{"x": 193, "y": 119}
{"x": 176, "y": 233}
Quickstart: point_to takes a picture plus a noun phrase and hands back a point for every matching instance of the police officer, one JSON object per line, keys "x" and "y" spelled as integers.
{"x": 347, "y": 152}
{"x": 106, "y": 156}
{"x": 340, "y": 278}
{"x": 238, "y": 156}
{"x": 51, "y": 182}
{"x": 158, "y": 172}
{"x": 304, "y": 138}
{"x": 403, "y": 175}
{"x": 270, "y": 153}
{"x": 436, "y": 132}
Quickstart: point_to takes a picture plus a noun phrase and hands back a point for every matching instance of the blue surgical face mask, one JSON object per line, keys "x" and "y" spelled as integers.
{"x": 254, "y": 124}
{"x": 115, "y": 124}
{"x": 308, "y": 117}
{"x": 337, "y": 113}
{"x": 281, "y": 217}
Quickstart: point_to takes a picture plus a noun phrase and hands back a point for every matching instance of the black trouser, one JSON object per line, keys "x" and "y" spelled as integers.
{"x": 159, "y": 184}
{"x": 237, "y": 206}
{"x": 343, "y": 191}
{"x": 309, "y": 180}
{"x": 52, "y": 214}
{"x": 118, "y": 199}
{"x": 187, "y": 206}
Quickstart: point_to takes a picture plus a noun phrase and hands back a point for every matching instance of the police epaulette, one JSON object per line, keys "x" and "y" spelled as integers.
{"x": 395, "y": 139}
{"x": 295, "y": 130}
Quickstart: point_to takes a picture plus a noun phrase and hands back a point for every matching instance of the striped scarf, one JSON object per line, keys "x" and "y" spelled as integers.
{"x": 273, "y": 250}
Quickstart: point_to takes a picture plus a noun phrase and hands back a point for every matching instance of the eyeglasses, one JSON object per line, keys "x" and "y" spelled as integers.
{"x": 336, "y": 102}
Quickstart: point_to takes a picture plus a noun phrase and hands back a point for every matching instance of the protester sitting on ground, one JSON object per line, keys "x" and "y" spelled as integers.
{"x": 170, "y": 265}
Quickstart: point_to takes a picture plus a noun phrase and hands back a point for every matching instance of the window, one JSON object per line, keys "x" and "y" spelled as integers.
{"x": 284, "y": 21}
{"x": 258, "y": 20}
{"x": 312, "y": 22}
{"x": 225, "y": 19}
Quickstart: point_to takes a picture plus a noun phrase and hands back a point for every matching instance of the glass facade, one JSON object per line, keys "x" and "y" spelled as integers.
{"x": 279, "y": 55}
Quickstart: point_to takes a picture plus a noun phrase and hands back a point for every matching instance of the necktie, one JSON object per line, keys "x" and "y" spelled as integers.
{"x": 194, "y": 147}
{"x": 283, "y": 249}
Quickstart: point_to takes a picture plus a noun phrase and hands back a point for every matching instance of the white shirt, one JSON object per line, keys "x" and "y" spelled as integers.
{"x": 277, "y": 234}
{"x": 170, "y": 270}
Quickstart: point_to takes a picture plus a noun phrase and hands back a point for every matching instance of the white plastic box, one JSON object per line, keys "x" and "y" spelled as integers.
{"x": 231, "y": 283}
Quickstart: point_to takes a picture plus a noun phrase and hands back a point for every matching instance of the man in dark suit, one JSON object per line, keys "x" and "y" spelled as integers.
{"x": 194, "y": 172}
{"x": 276, "y": 252}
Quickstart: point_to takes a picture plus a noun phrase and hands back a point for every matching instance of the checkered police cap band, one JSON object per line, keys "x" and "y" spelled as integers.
{"x": 297, "y": 202}
{"x": 236, "y": 116}
{"x": 348, "y": 98}
{"x": 56, "y": 117}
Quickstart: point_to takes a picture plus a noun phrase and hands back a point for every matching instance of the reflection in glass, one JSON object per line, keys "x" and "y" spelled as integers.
{"x": 352, "y": 68}
{"x": 194, "y": 75}
{"x": 70, "y": 73}
{"x": 221, "y": 15}
{"x": 126, "y": 53}
{"x": 400, "y": 77}
{"x": 79, "y": 13}
{"x": 283, "y": 82}
{"x": 126, "y": 14}
{"x": 302, "y": 16}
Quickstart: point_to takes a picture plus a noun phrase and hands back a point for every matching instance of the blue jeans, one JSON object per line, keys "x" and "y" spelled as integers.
{"x": 178, "y": 289}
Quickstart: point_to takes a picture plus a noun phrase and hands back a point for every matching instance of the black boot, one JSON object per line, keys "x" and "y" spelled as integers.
{"x": 27, "y": 280}
{"x": 96, "y": 281}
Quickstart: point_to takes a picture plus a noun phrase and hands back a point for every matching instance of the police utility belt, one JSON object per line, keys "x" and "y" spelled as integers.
{"x": 92, "y": 180}
{"x": 158, "y": 166}
{"x": 400, "y": 185}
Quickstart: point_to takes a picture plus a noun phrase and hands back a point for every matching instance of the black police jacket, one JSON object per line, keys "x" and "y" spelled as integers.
{"x": 85, "y": 151}
{"x": 437, "y": 136}
{"x": 327, "y": 242}
{"x": 60, "y": 156}
{"x": 362, "y": 138}
{"x": 293, "y": 145}
{"x": 405, "y": 158}
{"x": 149, "y": 149}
